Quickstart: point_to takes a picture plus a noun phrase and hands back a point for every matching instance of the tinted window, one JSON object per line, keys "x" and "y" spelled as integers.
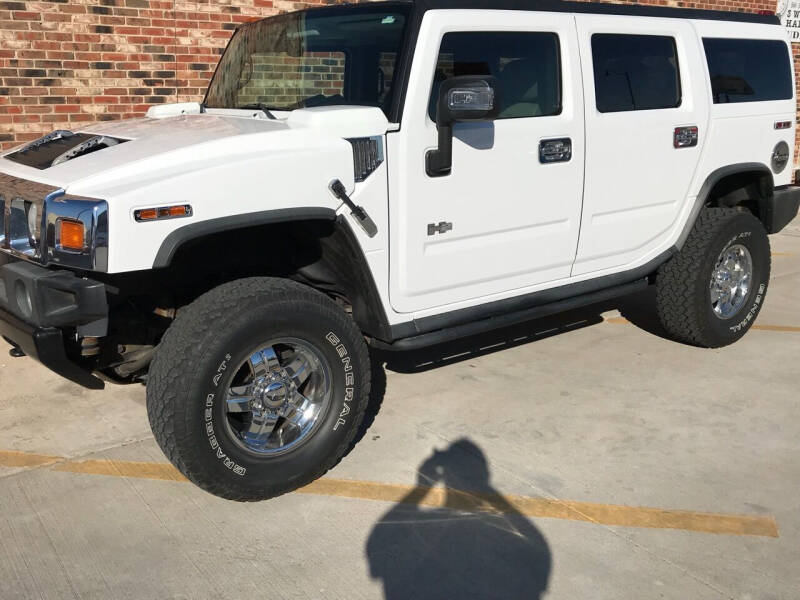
{"x": 635, "y": 72}
{"x": 526, "y": 66}
{"x": 311, "y": 58}
{"x": 748, "y": 70}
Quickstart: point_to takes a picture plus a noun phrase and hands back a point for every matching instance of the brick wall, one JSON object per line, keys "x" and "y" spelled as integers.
{"x": 67, "y": 63}
{"x": 306, "y": 75}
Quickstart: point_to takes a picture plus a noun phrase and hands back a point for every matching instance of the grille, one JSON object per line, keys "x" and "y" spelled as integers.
{"x": 367, "y": 156}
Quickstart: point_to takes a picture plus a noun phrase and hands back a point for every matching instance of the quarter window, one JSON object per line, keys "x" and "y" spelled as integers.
{"x": 748, "y": 70}
{"x": 526, "y": 66}
{"x": 635, "y": 72}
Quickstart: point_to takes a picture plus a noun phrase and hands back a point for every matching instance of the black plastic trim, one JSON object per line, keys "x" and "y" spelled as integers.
{"x": 196, "y": 230}
{"x": 57, "y": 298}
{"x": 45, "y": 345}
{"x": 782, "y": 208}
{"x": 512, "y": 318}
{"x": 342, "y": 266}
{"x": 713, "y": 179}
{"x": 527, "y": 302}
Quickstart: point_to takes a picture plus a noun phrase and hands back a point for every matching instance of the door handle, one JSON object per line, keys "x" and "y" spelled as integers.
{"x": 555, "y": 150}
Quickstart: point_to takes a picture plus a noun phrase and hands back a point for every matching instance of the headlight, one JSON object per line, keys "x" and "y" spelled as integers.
{"x": 34, "y": 223}
{"x": 24, "y": 232}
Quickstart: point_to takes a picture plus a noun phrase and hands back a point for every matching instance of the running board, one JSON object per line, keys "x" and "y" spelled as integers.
{"x": 489, "y": 324}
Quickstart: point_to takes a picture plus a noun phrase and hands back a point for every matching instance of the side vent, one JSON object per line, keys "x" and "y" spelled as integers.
{"x": 367, "y": 156}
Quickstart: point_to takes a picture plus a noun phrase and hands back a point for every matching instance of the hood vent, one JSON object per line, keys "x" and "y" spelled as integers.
{"x": 59, "y": 147}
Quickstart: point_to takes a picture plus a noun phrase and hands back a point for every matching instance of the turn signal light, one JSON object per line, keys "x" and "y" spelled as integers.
{"x": 70, "y": 235}
{"x": 163, "y": 212}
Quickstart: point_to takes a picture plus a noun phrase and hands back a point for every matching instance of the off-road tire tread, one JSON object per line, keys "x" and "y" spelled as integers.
{"x": 175, "y": 364}
{"x": 676, "y": 295}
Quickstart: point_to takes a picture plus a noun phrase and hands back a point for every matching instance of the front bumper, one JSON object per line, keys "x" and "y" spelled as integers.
{"x": 38, "y": 306}
{"x": 781, "y": 209}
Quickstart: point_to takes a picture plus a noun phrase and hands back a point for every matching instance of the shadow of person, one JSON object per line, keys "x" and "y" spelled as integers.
{"x": 455, "y": 544}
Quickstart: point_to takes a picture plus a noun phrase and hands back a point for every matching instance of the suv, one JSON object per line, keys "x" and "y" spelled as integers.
{"x": 394, "y": 175}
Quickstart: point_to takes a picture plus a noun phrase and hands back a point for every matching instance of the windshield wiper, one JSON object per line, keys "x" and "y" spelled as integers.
{"x": 259, "y": 106}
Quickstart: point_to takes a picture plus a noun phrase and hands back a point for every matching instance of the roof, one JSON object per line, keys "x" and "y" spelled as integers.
{"x": 600, "y": 8}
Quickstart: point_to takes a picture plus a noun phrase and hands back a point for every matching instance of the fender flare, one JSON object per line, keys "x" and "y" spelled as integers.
{"x": 343, "y": 258}
{"x": 708, "y": 185}
{"x": 169, "y": 247}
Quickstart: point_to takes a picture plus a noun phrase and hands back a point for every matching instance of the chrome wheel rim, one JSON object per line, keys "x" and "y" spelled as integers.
{"x": 731, "y": 281}
{"x": 278, "y": 396}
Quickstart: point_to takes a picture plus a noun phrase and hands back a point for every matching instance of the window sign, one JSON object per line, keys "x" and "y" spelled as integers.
{"x": 789, "y": 14}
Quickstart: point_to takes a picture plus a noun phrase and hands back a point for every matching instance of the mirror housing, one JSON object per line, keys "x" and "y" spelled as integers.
{"x": 463, "y": 98}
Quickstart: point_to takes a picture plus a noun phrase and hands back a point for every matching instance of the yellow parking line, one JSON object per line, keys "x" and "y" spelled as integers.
{"x": 601, "y": 514}
{"x": 776, "y": 328}
{"x": 123, "y": 468}
{"x": 13, "y": 458}
{"x": 783, "y": 254}
{"x": 785, "y": 328}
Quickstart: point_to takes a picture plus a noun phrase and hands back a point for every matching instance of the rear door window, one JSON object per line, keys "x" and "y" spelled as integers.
{"x": 748, "y": 70}
{"x": 635, "y": 72}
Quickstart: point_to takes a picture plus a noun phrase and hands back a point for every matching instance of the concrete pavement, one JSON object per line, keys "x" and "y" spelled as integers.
{"x": 566, "y": 432}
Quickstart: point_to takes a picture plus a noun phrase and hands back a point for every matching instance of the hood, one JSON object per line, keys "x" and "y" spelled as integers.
{"x": 123, "y": 142}
{"x": 111, "y": 153}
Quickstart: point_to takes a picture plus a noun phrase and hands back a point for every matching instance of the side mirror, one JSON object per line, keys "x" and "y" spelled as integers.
{"x": 464, "y": 98}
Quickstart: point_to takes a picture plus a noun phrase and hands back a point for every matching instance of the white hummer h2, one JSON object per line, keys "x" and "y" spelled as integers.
{"x": 394, "y": 174}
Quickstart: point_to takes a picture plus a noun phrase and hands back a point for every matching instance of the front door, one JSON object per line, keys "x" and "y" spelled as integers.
{"x": 505, "y": 218}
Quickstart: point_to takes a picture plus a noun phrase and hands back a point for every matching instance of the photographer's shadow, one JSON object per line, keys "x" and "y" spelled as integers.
{"x": 463, "y": 541}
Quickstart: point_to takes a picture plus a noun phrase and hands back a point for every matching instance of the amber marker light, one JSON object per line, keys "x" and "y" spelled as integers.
{"x": 70, "y": 235}
{"x": 163, "y": 212}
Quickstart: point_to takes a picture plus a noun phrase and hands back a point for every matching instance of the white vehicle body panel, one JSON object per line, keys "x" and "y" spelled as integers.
{"x": 221, "y": 166}
{"x": 745, "y": 132}
{"x": 636, "y": 181}
{"x": 515, "y": 221}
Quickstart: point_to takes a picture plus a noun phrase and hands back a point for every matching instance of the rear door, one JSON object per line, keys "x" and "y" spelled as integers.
{"x": 643, "y": 78}
{"x": 515, "y": 218}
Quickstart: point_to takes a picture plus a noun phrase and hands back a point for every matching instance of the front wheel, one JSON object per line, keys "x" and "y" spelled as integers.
{"x": 710, "y": 293}
{"x": 258, "y": 388}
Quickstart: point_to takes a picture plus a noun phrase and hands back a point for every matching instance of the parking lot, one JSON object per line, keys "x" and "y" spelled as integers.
{"x": 583, "y": 456}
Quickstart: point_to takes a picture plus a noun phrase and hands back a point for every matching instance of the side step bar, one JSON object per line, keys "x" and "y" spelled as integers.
{"x": 468, "y": 329}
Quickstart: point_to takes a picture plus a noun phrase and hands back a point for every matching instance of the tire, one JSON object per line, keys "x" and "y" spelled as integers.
{"x": 684, "y": 296}
{"x": 197, "y": 362}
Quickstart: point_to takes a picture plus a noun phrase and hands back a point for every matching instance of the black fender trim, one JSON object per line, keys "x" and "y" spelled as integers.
{"x": 196, "y": 230}
{"x": 343, "y": 266}
{"x": 713, "y": 179}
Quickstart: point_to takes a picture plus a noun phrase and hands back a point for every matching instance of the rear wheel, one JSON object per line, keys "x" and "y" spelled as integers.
{"x": 710, "y": 293}
{"x": 258, "y": 388}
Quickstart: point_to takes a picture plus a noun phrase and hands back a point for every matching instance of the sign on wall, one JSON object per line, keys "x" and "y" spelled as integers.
{"x": 789, "y": 14}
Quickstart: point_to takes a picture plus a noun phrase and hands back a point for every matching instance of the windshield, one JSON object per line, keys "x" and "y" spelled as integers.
{"x": 320, "y": 57}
